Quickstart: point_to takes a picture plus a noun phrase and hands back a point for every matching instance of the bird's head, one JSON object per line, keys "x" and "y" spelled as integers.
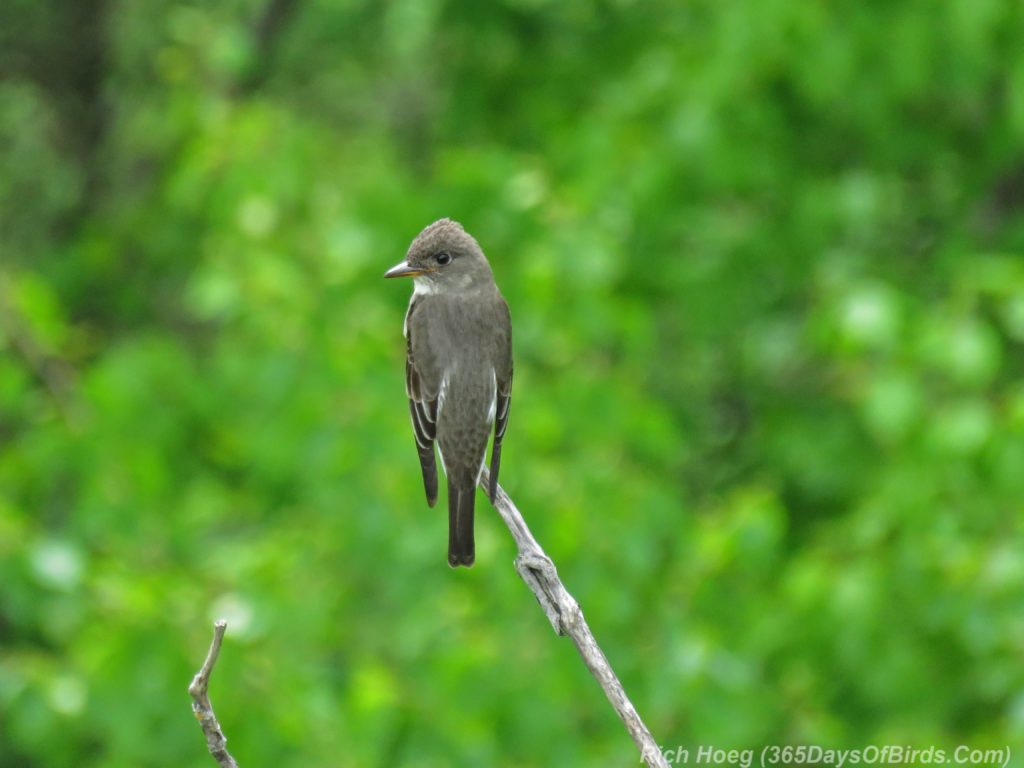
{"x": 444, "y": 258}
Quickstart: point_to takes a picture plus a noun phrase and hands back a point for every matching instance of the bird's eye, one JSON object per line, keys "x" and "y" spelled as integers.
{"x": 443, "y": 258}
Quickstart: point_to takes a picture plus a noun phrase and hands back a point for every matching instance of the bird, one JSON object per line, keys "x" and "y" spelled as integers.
{"x": 458, "y": 370}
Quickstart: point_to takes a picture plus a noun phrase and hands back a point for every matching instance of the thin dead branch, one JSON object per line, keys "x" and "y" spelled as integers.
{"x": 216, "y": 741}
{"x": 566, "y": 617}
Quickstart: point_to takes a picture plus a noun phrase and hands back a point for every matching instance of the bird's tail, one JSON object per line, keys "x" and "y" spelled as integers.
{"x": 461, "y": 549}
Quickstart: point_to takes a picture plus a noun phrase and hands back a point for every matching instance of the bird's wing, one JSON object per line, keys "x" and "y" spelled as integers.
{"x": 423, "y": 399}
{"x": 503, "y": 390}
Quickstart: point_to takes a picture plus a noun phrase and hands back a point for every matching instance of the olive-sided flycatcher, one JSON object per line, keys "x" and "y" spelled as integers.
{"x": 458, "y": 369}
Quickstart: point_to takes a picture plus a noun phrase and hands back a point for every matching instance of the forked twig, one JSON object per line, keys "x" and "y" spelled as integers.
{"x": 216, "y": 741}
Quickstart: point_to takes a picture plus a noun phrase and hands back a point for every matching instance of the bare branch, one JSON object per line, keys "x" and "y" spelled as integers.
{"x": 538, "y": 571}
{"x": 216, "y": 741}
{"x": 564, "y": 613}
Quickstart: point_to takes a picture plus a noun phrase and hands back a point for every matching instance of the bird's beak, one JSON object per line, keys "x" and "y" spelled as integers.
{"x": 403, "y": 269}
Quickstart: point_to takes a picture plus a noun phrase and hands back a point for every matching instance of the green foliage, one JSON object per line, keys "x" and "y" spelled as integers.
{"x": 765, "y": 268}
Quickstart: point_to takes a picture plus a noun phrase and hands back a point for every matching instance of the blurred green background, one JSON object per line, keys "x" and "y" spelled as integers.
{"x": 766, "y": 270}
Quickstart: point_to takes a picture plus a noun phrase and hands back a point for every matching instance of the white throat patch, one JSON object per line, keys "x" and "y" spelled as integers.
{"x": 423, "y": 286}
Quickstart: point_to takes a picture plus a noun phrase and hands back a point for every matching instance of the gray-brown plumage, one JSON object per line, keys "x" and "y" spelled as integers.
{"x": 458, "y": 369}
